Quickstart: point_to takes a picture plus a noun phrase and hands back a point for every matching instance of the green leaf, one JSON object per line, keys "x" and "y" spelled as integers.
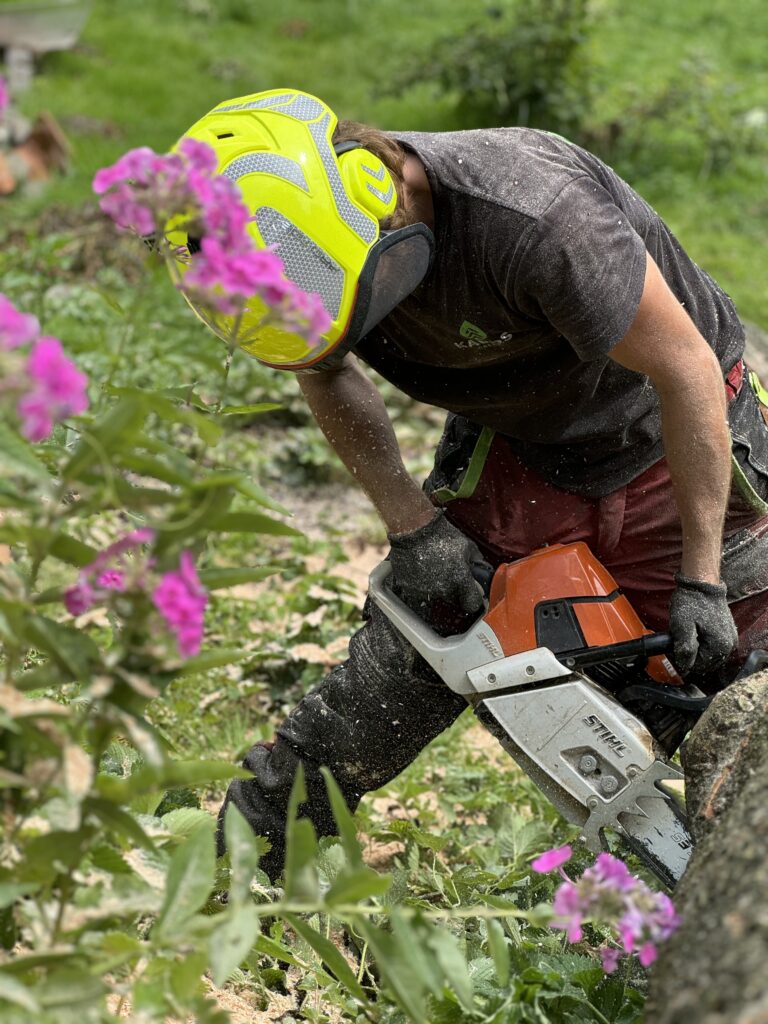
{"x": 109, "y": 298}
{"x": 410, "y": 943}
{"x": 249, "y": 489}
{"x": 407, "y": 830}
{"x": 243, "y": 855}
{"x": 70, "y": 648}
{"x": 268, "y": 947}
{"x": 398, "y": 968}
{"x": 301, "y": 882}
{"x": 12, "y": 991}
{"x": 120, "y": 823}
{"x": 497, "y": 947}
{"x": 218, "y": 579}
{"x": 172, "y": 773}
{"x": 329, "y": 954}
{"x": 210, "y": 659}
{"x": 344, "y": 821}
{"x": 9, "y": 892}
{"x": 54, "y": 853}
{"x": 17, "y": 457}
{"x": 70, "y": 988}
{"x": 231, "y": 942}
{"x": 251, "y": 522}
{"x": 115, "y": 429}
{"x": 453, "y": 963}
{"x": 355, "y": 886}
{"x": 72, "y": 551}
{"x": 157, "y": 469}
{"x": 186, "y": 820}
{"x": 188, "y": 883}
{"x": 239, "y": 410}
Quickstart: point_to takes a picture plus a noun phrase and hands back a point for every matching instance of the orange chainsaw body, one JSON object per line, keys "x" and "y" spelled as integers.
{"x": 562, "y": 598}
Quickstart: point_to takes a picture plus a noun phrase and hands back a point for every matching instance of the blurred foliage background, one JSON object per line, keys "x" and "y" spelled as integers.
{"x": 675, "y": 96}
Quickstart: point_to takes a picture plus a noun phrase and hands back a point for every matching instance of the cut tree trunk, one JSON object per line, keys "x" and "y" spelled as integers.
{"x": 714, "y": 970}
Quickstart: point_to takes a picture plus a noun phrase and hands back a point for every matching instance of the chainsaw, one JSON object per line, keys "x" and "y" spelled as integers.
{"x": 564, "y": 674}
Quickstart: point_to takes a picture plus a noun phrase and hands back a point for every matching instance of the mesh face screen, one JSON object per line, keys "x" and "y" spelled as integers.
{"x": 399, "y": 269}
{"x": 305, "y": 262}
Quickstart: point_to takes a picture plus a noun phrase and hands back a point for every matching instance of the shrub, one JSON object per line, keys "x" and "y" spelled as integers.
{"x": 522, "y": 63}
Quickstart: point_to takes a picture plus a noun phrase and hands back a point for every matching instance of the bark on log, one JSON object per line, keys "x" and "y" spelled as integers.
{"x": 714, "y": 970}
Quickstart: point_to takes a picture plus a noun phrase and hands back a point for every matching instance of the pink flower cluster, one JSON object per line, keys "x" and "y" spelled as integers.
{"x": 52, "y": 388}
{"x": 181, "y": 599}
{"x": 110, "y": 572}
{"x": 145, "y": 191}
{"x": 179, "y": 595}
{"x": 609, "y": 893}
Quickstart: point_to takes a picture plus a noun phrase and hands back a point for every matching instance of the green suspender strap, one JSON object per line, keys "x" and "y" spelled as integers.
{"x": 472, "y": 474}
{"x": 748, "y": 492}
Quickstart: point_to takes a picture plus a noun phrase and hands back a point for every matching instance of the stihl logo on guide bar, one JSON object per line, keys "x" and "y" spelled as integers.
{"x": 606, "y": 735}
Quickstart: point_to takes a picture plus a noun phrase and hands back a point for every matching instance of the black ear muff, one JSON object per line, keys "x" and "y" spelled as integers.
{"x": 346, "y": 147}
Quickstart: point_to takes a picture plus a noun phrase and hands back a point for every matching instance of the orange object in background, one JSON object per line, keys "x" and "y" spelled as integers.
{"x": 44, "y": 152}
{"x": 561, "y": 597}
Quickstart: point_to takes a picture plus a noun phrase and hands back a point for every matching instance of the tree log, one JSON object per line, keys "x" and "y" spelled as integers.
{"x": 714, "y": 970}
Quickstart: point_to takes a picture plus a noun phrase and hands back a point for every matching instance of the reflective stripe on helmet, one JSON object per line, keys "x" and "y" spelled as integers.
{"x": 305, "y": 262}
{"x": 262, "y": 104}
{"x": 268, "y": 163}
{"x": 364, "y": 227}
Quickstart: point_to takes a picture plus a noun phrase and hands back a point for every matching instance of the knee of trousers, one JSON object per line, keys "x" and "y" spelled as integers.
{"x": 366, "y": 722}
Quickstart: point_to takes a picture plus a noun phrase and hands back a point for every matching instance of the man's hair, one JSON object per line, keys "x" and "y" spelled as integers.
{"x": 391, "y": 154}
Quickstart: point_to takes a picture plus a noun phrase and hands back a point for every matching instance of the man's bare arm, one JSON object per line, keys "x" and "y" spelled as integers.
{"x": 352, "y": 415}
{"x": 664, "y": 344}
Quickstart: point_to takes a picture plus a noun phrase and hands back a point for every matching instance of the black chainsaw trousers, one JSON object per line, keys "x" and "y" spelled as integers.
{"x": 366, "y": 722}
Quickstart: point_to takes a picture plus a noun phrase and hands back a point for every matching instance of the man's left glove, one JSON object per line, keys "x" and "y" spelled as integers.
{"x": 701, "y": 625}
{"x": 432, "y": 574}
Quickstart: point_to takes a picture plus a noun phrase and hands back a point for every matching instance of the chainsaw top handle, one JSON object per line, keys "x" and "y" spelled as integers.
{"x": 641, "y": 647}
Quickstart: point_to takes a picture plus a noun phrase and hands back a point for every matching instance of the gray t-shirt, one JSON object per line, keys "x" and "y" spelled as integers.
{"x": 538, "y": 273}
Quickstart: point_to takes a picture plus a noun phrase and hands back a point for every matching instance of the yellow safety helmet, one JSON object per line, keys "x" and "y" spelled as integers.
{"x": 318, "y": 207}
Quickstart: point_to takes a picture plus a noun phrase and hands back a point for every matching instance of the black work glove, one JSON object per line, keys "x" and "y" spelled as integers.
{"x": 432, "y": 574}
{"x": 701, "y": 625}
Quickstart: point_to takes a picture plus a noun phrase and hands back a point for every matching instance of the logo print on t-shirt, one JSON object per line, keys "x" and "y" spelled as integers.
{"x": 471, "y": 332}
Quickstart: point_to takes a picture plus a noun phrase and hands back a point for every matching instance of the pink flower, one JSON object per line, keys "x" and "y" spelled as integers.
{"x": 181, "y": 599}
{"x": 199, "y": 155}
{"x": 607, "y": 892}
{"x": 219, "y": 275}
{"x": 112, "y": 579}
{"x": 16, "y": 328}
{"x": 36, "y": 417}
{"x": 58, "y": 390}
{"x": 613, "y": 872}
{"x": 108, "y": 573}
{"x": 610, "y": 958}
{"x": 552, "y": 859}
{"x": 5, "y": 98}
{"x": 79, "y": 598}
{"x": 58, "y": 377}
{"x": 569, "y": 910}
{"x": 647, "y": 954}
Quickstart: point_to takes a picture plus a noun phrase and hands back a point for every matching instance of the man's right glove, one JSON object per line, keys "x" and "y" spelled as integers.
{"x": 701, "y": 625}
{"x": 432, "y": 574}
